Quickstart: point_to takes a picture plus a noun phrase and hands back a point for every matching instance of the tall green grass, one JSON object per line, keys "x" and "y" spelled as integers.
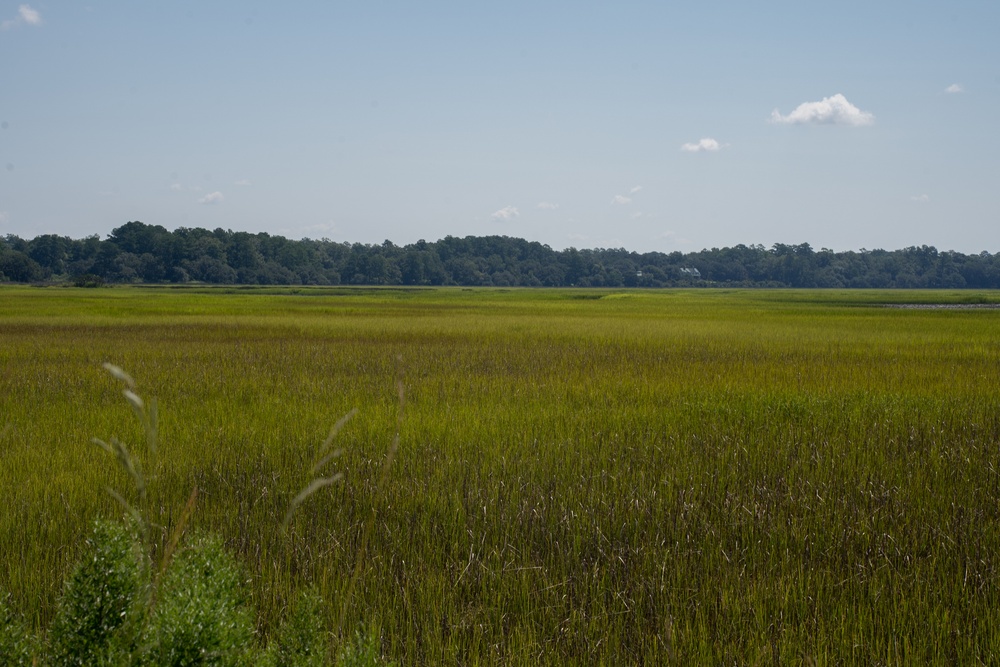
{"x": 582, "y": 476}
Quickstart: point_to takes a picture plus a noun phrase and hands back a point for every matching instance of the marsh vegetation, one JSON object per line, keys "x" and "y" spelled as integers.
{"x": 582, "y": 476}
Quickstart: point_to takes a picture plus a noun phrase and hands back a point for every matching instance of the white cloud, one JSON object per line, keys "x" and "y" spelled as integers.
{"x": 547, "y": 206}
{"x": 506, "y": 213}
{"x": 176, "y": 187}
{"x": 922, "y": 199}
{"x": 25, "y": 14}
{"x": 835, "y": 110}
{"x": 620, "y": 199}
{"x": 635, "y": 189}
{"x": 212, "y": 198}
{"x": 4, "y": 217}
{"x": 704, "y": 144}
{"x": 954, "y": 88}
{"x": 637, "y": 215}
{"x": 242, "y": 182}
{"x": 29, "y": 15}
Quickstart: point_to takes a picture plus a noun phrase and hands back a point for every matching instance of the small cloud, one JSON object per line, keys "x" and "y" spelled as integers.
{"x": 704, "y": 144}
{"x": 29, "y": 15}
{"x": 635, "y": 189}
{"x": 954, "y": 88}
{"x": 242, "y": 182}
{"x": 212, "y": 198}
{"x": 506, "y": 213}
{"x": 637, "y": 215}
{"x": 921, "y": 199}
{"x": 176, "y": 187}
{"x": 835, "y": 110}
{"x": 547, "y": 206}
{"x": 621, "y": 199}
{"x": 25, "y": 15}
{"x": 4, "y": 217}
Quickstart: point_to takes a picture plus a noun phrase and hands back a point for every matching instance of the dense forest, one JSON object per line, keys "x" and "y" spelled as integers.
{"x": 141, "y": 253}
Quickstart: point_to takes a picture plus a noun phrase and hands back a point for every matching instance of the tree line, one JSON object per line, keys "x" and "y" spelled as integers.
{"x": 141, "y": 253}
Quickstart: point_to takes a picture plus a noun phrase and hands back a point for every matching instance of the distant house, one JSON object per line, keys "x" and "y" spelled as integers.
{"x": 690, "y": 273}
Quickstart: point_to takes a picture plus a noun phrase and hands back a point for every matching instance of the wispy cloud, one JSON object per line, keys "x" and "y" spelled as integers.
{"x": 921, "y": 199}
{"x": 547, "y": 206}
{"x": 25, "y": 16}
{"x": 637, "y": 215}
{"x": 242, "y": 182}
{"x": 506, "y": 213}
{"x": 29, "y": 15}
{"x": 954, "y": 88}
{"x": 835, "y": 110}
{"x": 705, "y": 144}
{"x": 621, "y": 199}
{"x": 4, "y": 217}
{"x": 212, "y": 198}
{"x": 635, "y": 188}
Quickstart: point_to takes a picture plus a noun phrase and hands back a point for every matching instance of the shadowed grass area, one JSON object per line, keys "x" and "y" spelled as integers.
{"x": 583, "y": 476}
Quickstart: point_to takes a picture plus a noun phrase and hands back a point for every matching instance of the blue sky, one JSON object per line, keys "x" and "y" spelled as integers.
{"x": 641, "y": 125}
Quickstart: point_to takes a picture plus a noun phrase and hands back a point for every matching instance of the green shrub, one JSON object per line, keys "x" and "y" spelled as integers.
{"x": 16, "y": 645}
{"x": 101, "y": 610}
{"x": 201, "y": 616}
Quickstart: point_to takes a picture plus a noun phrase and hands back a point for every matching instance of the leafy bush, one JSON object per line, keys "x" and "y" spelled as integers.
{"x": 16, "y": 645}
{"x": 101, "y": 610}
{"x": 201, "y": 616}
{"x": 110, "y": 616}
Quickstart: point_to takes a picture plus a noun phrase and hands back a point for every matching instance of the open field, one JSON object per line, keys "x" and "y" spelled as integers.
{"x": 582, "y": 477}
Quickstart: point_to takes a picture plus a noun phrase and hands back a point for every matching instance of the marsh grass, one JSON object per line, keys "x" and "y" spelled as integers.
{"x": 677, "y": 477}
{"x": 118, "y": 610}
